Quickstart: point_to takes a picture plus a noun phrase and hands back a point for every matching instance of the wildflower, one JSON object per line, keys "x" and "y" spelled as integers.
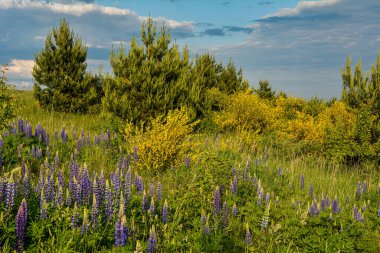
{"x": 151, "y": 208}
{"x": 165, "y": 212}
{"x": 205, "y": 225}
{"x": 75, "y": 217}
{"x": 323, "y": 203}
{"x": 59, "y": 197}
{"x": 135, "y": 155}
{"x": 335, "y": 206}
{"x": 314, "y": 209}
{"x": 267, "y": 198}
{"x": 234, "y": 186}
{"x": 144, "y": 202}
{"x": 280, "y": 171}
{"x": 120, "y": 227}
{"x": 233, "y": 172}
{"x": 85, "y": 184}
{"x": 68, "y": 197}
{"x": 151, "y": 189}
{"x": 10, "y": 195}
{"x": 248, "y": 237}
{"x": 187, "y": 162}
{"x": 357, "y": 215}
{"x": 127, "y": 185}
{"x": 234, "y": 210}
{"x": 216, "y": 201}
{"x": 265, "y": 219}
{"x": 85, "y": 224}
{"x": 225, "y": 214}
{"x": 302, "y": 183}
{"x": 152, "y": 241}
{"x": 311, "y": 191}
{"x": 159, "y": 191}
{"x": 21, "y": 221}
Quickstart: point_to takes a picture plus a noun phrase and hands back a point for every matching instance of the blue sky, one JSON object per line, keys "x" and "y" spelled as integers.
{"x": 299, "y": 46}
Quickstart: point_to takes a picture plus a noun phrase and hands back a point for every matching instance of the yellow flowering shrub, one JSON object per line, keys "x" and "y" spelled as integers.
{"x": 164, "y": 142}
{"x": 246, "y": 111}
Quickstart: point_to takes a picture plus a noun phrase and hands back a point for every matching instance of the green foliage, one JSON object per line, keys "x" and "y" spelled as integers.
{"x": 265, "y": 90}
{"x": 155, "y": 77}
{"x": 7, "y": 100}
{"x": 60, "y": 79}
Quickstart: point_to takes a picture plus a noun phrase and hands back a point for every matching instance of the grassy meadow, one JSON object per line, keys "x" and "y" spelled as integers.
{"x": 85, "y": 183}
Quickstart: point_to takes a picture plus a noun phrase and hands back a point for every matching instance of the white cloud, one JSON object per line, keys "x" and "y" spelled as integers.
{"x": 302, "y": 6}
{"x": 20, "y": 68}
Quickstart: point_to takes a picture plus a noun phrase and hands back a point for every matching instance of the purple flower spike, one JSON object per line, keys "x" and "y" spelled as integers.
{"x": 75, "y": 217}
{"x": 335, "y": 206}
{"x": 234, "y": 186}
{"x": 234, "y": 210}
{"x": 159, "y": 191}
{"x": 165, "y": 212}
{"x": 216, "y": 201}
{"x": 21, "y": 221}
{"x": 127, "y": 186}
{"x": 151, "y": 208}
{"x": 135, "y": 154}
{"x": 152, "y": 241}
{"x": 94, "y": 212}
{"x": 225, "y": 214}
{"x": 108, "y": 202}
{"x": 85, "y": 224}
{"x": 10, "y": 196}
{"x": 302, "y": 183}
{"x": 121, "y": 230}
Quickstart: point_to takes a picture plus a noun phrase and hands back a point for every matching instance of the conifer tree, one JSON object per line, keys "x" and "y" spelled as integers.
{"x": 265, "y": 90}
{"x": 60, "y": 79}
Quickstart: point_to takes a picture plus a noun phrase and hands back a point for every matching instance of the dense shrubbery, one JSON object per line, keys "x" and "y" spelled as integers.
{"x": 7, "y": 100}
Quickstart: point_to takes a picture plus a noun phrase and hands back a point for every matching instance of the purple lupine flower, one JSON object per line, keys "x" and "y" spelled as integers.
{"x": 280, "y": 171}
{"x": 313, "y": 209}
{"x": 56, "y": 160}
{"x": 10, "y": 196}
{"x": 49, "y": 191}
{"x": 151, "y": 189}
{"x": 26, "y": 183}
{"x": 165, "y": 212}
{"x": 327, "y": 201}
{"x": 85, "y": 224}
{"x": 116, "y": 183}
{"x": 159, "y": 191}
{"x": 77, "y": 192}
{"x": 63, "y": 135}
{"x": 28, "y": 132}
{"x": 260, "y": 197}
{"x": 21, "y": 221}
{"x": 311, "y": 191}
{"x": 152, "y": 241}
{"x": 187, "y": 162}
{"x": 234, "y": 210}
{"x": 357, "y": 215}
{"x": 127, "y": 186}
{"x": 255, "y": 181}
{"x": 267, "y": 198}
{"x": 108, "y": 202}
{"x": 248, "y": 237}
{"x": 302, "y": 183}
{"x": 59, "y": 197}
{"x": 234, "y": 186}
{"x": 61, "y": 178}
{"x": 94, "y": 212}
{"x": 3, "y": 186}
{"x": 144, "y": 203}
{"x": 364, "y": 187}
{"x": 85, "y": 183}
{"x": 233, "y": 172}
{"x": 335, "y": 206}
{"x": 38, "y": 131}
{"x": 1, "y": 142}
{"x": 96, "y": 192}
{"x": 364, "y": 207}
{"x": 74, "y": 134}
{"x": 135, "y": 154}
{"x": 139, "y": 184}
{"x": 358, "y": 190}
{"x": 151, "y": 208}
{"x": 121, "y": 230}
{"x": 216, "y": 201}
{"x": 246, "y": 170}
{"x": 323, "y": 203}
{"x": 75, "y": 217}
{"x": 225, "y": 214}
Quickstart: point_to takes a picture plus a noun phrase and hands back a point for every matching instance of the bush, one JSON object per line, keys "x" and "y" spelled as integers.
{"x": 7, "y": 100}
{"x": 162, "y": 144}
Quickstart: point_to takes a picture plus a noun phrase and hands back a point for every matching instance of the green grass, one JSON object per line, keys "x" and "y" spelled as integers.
{"x": 190, "y": 193}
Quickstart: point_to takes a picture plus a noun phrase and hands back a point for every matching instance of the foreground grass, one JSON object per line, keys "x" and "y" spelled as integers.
{"x": 268, "y": 187}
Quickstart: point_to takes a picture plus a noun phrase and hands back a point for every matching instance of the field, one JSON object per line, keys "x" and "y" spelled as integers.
{"x": 76, "y": 183}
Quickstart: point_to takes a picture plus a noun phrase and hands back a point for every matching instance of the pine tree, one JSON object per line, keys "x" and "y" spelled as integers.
{"x": 60, "y": 79}
{"x": 265, "y": 90}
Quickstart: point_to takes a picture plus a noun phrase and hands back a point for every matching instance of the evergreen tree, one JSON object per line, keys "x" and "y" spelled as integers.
{"x": 265, "y": 90}
{"x": 60, "y": 79}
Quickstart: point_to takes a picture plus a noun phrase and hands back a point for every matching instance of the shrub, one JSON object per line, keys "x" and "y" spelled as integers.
{"x": 7, "y": 100}
{"x": 163, "y": 143}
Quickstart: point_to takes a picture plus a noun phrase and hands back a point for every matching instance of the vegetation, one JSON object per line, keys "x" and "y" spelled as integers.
{"x": 61, "y": 81}
{"x": 7, "y": 100}
{"x": 185, "y": 158}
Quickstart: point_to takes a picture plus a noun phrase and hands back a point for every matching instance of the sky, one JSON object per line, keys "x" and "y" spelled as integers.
{"x": 299, "y": 46}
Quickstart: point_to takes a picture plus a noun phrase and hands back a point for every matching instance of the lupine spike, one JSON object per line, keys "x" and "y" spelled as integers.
{"x": 75, "y": 217}
{"x": 108, "y": 202}
{"x": 234, "y": 186}
{"x": 152, "y": 241}
{"x": 21, "y": 222}
{"x": 159, "y": 191}
{"x": 216, "y": 201}
{"x": 151, "y": 208}
{"x": 248, "y": 237}
{"x": 94, "y": 212}
{"x": 85, "y": 224}
{"x": 10, "y": 195}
